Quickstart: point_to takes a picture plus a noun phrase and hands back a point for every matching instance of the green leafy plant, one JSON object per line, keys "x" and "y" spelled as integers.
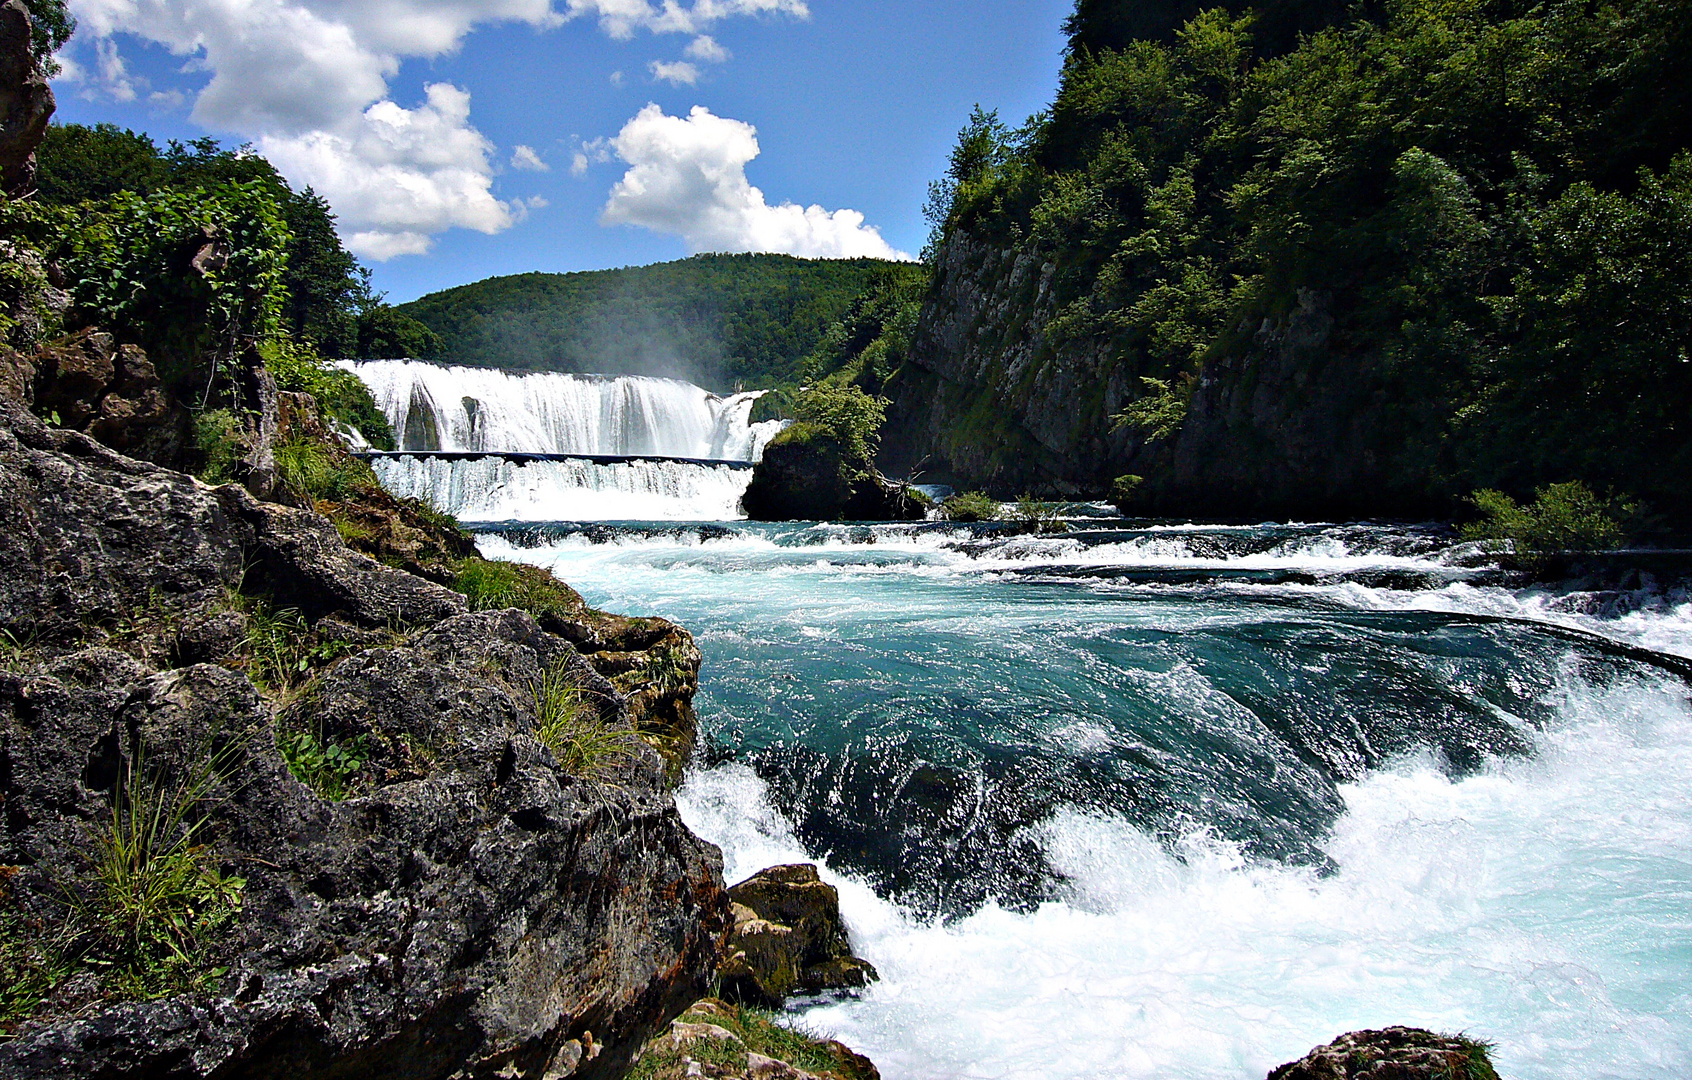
{"x": 297, "y": 367}
{"x": 843, "y": 416}
{"x": 1124, "y": 490}
{"x": 217, "y": 436}
{"x": 328, "y": 768}
{"x": 1158, "y": 414}
{"x": 1562, "y": 517}
{"x": 157, "y": 899}
{"x": 970, "y": 506}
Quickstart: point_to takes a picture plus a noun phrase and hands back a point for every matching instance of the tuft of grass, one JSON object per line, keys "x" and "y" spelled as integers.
{"x": 158, "y": 899}
{"x": 218, "y": 438}
{"x": 283, "y": 654}
{"x": 32, "y": 961}
{"x": 970, "y": 506}
{"x": 434, "y": 515}
{"x": 1562, "y": 517}
{"x": 568, "y": 725}
{"x": 759, "y": 1031}
{"x": 1478, "y": 1053}
{"x": 310, "y": 470}
{"x": 328, "y": 768}
{"x": 493, "y": 585}
{"x": 664, "y": 669}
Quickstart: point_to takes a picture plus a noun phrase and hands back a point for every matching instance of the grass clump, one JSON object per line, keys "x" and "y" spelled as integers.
{"x": 32, "y": 961}
{"x": 158, "y": 899}
{"x": 1562, "y": 517}
{"x": 567, "y": 724}
{"x": 758, "y": 1031}
{"x": 309, "y": 469}
{"x": 490, "y": 585}
{"x": 970, "y": 506}
{"x": 1478, "y": 1055}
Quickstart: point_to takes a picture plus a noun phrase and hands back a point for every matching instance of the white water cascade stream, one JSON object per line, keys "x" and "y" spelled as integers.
{"x": 478, "y": 410}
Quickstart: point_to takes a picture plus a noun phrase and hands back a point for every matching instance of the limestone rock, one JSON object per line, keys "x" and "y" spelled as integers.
{"x": 26, "y": 101}
{"x": 714, "y": 1039}
{"x": 1394, "y": 1053}
{"x": 113, "y": 393}
{"x": 788, "y": 938}
{"x": 474, "y": 910}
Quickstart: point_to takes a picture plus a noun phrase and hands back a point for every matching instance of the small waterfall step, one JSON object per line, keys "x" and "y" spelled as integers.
{"x": 522, "y": 456}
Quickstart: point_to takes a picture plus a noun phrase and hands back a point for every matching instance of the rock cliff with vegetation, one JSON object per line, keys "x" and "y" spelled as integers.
{"x": 1318, "y": 259}
{"x": 294, "y": 783}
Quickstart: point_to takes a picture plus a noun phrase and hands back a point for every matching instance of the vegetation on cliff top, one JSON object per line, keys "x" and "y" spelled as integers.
{"x": 723, "y": 321}
{"x": 1491, "y": 200}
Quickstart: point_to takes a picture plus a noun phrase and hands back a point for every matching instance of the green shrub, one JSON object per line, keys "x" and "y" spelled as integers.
{"x": 1124, "y": 490}
{"x": 217, "y": 436}
{"x": 339, "y": 393}
{"x": 1562, "y": 517}
{"x": 843, "y": 415}
{"x": 1038, "y": 516}
{"x": 970, "y": 506}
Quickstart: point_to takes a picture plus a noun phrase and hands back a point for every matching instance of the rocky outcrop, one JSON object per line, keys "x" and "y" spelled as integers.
{"x": 1394, "y": 1053}
{"x": 111, "y": 392}
{"x": 788, "y": 938}
{"x": 26, "y": 101}
{"x": 473, "y": 910}
{"x": 717, "y": 1039}
{"x": 988, "y": 400}
{"x": 807, "y": 481}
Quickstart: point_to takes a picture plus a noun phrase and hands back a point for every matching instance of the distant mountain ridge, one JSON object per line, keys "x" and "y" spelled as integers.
{"x": 723, "y": 321}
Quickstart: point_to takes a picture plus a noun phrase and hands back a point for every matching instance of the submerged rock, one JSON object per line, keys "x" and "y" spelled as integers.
{"x": 1394, "y": 1053}
{"x": 788, "y": 938}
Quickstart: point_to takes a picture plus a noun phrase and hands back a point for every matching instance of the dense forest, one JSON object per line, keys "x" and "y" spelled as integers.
{"x": 1312, "y": 258}
{"x": 721, "y": 320}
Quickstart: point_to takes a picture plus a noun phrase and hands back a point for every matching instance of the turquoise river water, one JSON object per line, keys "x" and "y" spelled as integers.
{"x": 1184, "y": 801}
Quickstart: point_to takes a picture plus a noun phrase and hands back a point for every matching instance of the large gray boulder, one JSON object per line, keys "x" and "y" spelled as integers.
{"x": 475, "y": 910}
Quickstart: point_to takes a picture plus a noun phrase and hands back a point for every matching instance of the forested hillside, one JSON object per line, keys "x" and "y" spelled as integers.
{"x": 1365, "y": 268}
{"x": 721, "y": 320}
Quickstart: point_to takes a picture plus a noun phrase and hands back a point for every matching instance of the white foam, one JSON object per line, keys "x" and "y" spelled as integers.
{"x": 1541, "y": 904}
{"x": 498, "y": 489}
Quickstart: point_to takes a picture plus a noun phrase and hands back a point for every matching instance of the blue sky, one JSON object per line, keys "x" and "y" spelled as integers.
{"x": 409, "y": 116}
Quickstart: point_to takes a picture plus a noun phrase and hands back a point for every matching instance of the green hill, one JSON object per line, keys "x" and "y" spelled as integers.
{"x": 721, "y": 320}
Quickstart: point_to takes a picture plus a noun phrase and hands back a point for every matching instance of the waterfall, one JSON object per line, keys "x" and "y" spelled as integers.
{"x": 480, "y": 409}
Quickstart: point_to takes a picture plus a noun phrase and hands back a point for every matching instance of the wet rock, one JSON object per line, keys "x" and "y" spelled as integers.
{"x": 26, "y": 101}
{"x": 788, "y": 938}
{"x": 1394, "y": 1053}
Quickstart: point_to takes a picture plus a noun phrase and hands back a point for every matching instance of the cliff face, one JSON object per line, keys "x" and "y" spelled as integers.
{"x": 475, "y": 910}
{"x": 985, "y": 398}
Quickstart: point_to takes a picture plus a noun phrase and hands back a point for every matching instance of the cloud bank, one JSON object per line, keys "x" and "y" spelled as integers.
{"x": 307, "y": 82}
{"x": 687, "y": 177}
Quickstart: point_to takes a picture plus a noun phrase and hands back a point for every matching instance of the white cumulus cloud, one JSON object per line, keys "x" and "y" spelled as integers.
{"x": 524, "y": 157}
{"x": 705, "y": 48}
{"x": 687, "y": 177}
{"x": 680, "y": 73}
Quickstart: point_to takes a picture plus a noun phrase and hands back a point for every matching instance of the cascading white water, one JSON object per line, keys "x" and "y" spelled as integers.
{"x": 498, "y": 489}
{"x": 476, "y": 410}
{"x": 483, "y": 410}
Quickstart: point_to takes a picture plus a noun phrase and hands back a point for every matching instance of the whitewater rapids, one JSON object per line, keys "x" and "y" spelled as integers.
{"x": 1106, "y": 730}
